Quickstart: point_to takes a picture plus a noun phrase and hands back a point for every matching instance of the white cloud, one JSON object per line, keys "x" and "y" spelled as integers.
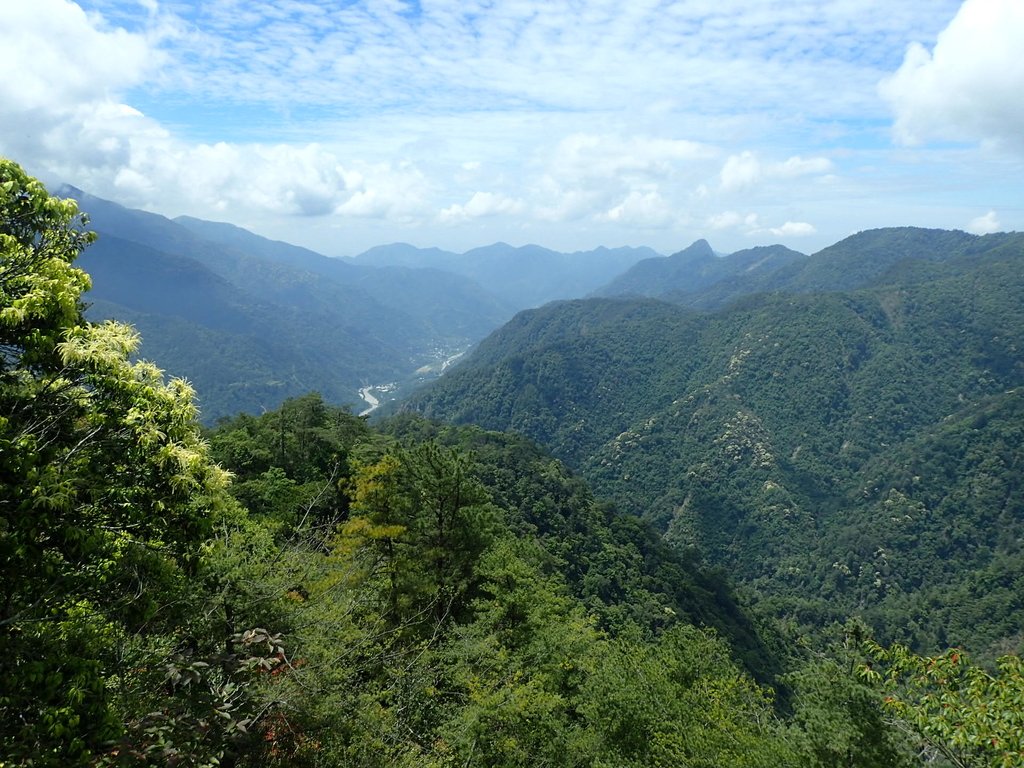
{"x": 969, "y": 86}
{"x": 725, "y": 220}
{"x": 398, "y": 192}
{"x": 751, "y": 225}
{"x": 793, "y": 229}
{"x": 733, "y": 220}
{"x": 481, "y": 204}
{"x": 641, "y": 209}
{"x": 656, "y": 60}
{"x": 745, "y": 170}
{"x": 740, "y": 172}
{"x": 557, "y": 204}
{"x": 627, "y": 180}
{"x": 60, "y": 115}
{"x": 57, "y": 57}
{"x": 985, "y": 225}
{"x": 799, "y": 166}
{"x": 361, "y": 117}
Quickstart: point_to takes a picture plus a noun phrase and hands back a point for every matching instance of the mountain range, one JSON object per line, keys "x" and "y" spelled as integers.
{"x": 849, "y": 442}
{"x": 693, "y": 516}
{"x": 527, "y": 276}
{"x": 841, "y": 430}
{"x": 252, "y": 321}
{"x": 696, "y": 268}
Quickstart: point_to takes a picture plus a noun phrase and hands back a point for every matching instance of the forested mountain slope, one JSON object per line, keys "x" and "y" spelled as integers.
{"x": 758, "y": 434}
{"x": 243, "y": 351}
{"x": 450, "y": 306}
{"x": 697, "y": 277}
{"x": 252, "y": 321}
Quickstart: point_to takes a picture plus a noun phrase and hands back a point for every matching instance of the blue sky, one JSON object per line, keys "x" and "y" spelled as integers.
{"x": 343, "y": 124}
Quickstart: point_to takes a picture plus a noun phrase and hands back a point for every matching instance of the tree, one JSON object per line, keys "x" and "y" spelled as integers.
{"x": 838, "y": 719}
{"x": 972, "y": 718}
{"x": 424, "y": 520}
{"x": 681, "y": 701}
{"x": 106, "y": 492}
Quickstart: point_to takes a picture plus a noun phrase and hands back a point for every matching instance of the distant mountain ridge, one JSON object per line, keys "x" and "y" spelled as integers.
{"x": 524, "y": 276}
{"x": 252, "y": 321}
{"x": 698, "y": 277}
{"x": 695, "y": 269}
{"x": 444, "y": 302}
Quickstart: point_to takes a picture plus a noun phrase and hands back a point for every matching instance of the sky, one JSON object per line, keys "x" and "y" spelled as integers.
{"x": 344, "y": 124}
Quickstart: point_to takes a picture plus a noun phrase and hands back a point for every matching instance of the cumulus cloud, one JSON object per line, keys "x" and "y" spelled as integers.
{"x": 750, "y": 224}
{"x": 362, "y": 116}
{"x": 61, "y": 115}
{"x": 968, "y": 87}
{"x": 740, "y": 172}
{"x": 724, "y": 220}
{"x": 985, "y": 225}
{"x": 57, "y": 57}
{"x": 647, "y": 210}
{"x": 793, "y": 229}
{"x": 733, "y": 220}
{"x": 746, "y": 170}
{"x": 555, "y": 203}
{"x": 616, "y": 179}
{"x": 481, "y": 204}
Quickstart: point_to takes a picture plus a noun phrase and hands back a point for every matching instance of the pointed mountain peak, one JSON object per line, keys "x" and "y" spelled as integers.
{"x": 699, "y": 249}
{"x": 66, "y": 190}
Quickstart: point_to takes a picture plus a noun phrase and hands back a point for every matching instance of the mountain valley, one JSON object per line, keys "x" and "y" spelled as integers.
{"x": 699, "y": 509}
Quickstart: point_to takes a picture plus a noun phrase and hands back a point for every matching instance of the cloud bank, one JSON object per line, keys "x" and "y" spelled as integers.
{"x": 346, "y": 123}
{"x": 968, "y": 87}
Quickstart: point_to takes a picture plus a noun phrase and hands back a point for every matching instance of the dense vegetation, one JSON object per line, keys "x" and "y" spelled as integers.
{"x": 414, "y": 595}
{"x": 697, "y": 277}
{"x": 838, "y": 453}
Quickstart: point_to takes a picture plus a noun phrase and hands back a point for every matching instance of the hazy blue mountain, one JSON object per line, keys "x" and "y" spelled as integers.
{"x": 255, "y": 245}
{"x": 253, "y": 321}
{"x": 451, "y": 306}
{"x": 242, "y": 351}
{"x": 406, "y": 255}
{"x": 525, "y": 276}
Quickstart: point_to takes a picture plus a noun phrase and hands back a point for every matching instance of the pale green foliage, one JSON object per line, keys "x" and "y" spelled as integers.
{"x": 520, "y": 665}
{"x": 39, "y": 238}
{"x": 973, "y": 718}
{"x": 107, "y": 489}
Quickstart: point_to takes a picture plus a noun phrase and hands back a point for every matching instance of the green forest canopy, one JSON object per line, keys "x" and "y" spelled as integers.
{"x": 837, "y": 453}
{"x": 413, "y": 596}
